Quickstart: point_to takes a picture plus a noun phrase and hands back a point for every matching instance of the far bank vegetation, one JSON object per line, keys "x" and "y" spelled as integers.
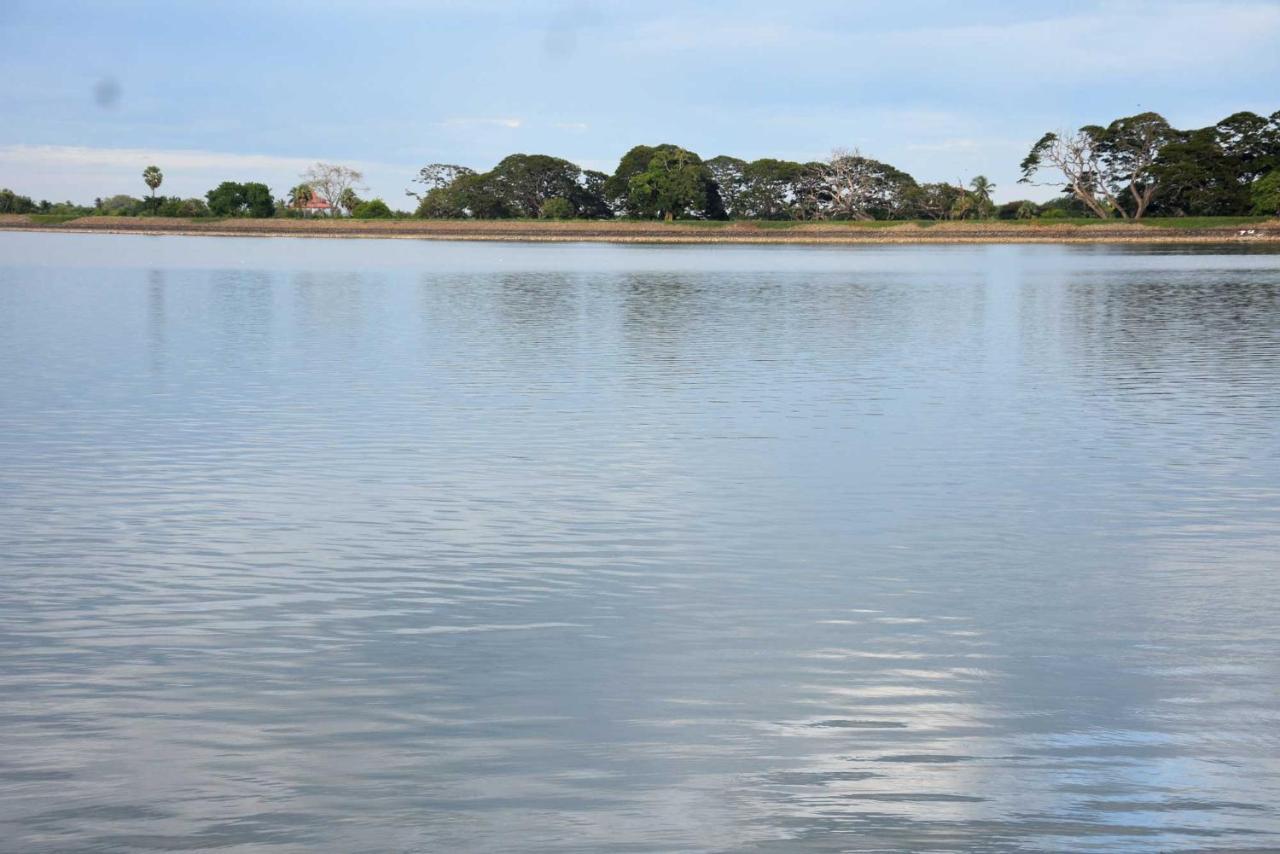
{"x": 1133, "y": 168}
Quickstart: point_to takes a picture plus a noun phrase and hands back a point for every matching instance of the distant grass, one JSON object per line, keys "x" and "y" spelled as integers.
{"x": 53, "y": 219}
{"x": 1201, "y": 221}
{"x": 827, "y": 223}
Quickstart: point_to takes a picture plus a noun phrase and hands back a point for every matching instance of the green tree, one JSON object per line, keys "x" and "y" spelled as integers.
{"x": 556, "y": 208}
{"x": 591, "y": 202}
{"x": 258, "y": 201}
{"x": 1266, "y": 194}
{"x": 981, "y": 187}
{"x": 234, "y": 199}
{"x": 300, "y": 196}
{"x": 524, "y": 181}
{"x": 635, "y": 161}
{"x": 349, "y": 201}
{"x": 729, "y": 173}
{"x": 226, "y": 199}
{"x": 934, "y": 200}
{"x": 468, "y": 196}
{"x": 1129, "y": 149}
{"x": 182, "y": 207}
{"x": 676, "y": 184}
{"x": 1251, "y": 143}
{"x": 12, "y": 203}
{"x": 372, "y": 209}
{"x": 965, "y": 206}
{"x": 770, "y": 189}
{"x": 1198, "y": 178}
{"x": 153, "y": 178}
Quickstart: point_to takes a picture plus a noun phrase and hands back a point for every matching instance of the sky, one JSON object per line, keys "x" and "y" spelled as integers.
{"x": 91, "y": 93}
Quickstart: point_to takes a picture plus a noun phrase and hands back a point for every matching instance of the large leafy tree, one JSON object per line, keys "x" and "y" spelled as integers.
{"x": 1266, "y": 194}
{"x": 635, "y": 161}
{"x": 729, "y": 173}
{"x": 935, "y": 200}
{"x": 1251, "y": 143}
{"x": 772, "y": 189}
{"x": 226, "y": 199}
{"x": 1197, "y": 177}
{"x": 1129, "y": 148}
{"x": 525, "y": 181}
{"x": 468, "y": 196}
{"x": 675, "y": 185}
{"x": 258, "y": 201}
{"x": 251, "y": 199}
{"x": 591, "y": 201}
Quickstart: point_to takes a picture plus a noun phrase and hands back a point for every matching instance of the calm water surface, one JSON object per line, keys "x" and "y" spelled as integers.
{"x": 397, "y": 546}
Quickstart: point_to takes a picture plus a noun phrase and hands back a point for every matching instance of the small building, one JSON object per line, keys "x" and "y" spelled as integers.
{"x": 317, "y": 205}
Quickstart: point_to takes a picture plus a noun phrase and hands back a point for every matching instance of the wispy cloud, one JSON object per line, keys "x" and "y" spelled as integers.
{"x": 465, "y": 122}
{"x": 72, "y": 156}
{"x": 68, "y": 171}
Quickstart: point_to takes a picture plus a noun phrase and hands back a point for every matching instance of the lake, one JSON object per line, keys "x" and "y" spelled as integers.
{"x": 346, "y": 546}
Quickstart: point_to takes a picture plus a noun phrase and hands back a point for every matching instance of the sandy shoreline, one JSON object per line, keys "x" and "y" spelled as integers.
{"x": 655, "y": 232}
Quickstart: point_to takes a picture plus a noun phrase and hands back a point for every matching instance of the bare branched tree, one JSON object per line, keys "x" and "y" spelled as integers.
{"x": 435, "y": 176}
{"x": 1077, "y": 158}
{"x": 332, "y": 181}
{"x": 1101, "y": 165}
{"x": 850, "y": 185}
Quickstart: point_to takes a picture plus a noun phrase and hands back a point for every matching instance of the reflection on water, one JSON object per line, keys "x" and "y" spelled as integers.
{"x": 378, "y": 546}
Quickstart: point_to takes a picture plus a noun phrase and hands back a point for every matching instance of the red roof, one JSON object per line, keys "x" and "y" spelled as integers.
{"x": 317, "y": 203}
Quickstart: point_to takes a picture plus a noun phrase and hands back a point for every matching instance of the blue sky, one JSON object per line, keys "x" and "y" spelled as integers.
{"x": 257, "y": 90}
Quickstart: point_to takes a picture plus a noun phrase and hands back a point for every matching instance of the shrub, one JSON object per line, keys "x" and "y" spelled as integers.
{"x": 184, "y": 208}
{"x": 120, "y": 206}
{"x": 372, "y": 209}
{"x": 556, "y": 208}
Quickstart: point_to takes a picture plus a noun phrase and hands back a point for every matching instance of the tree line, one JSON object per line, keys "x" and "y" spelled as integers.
{"x": 1135, "y": 166}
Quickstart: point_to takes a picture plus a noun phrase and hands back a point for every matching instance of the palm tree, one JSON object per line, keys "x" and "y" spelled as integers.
{"x": 154, "y": 178}
{"x": 348, "y": 200}
{"x": 982, "y": 188}
{"x": 300, "y": 195}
